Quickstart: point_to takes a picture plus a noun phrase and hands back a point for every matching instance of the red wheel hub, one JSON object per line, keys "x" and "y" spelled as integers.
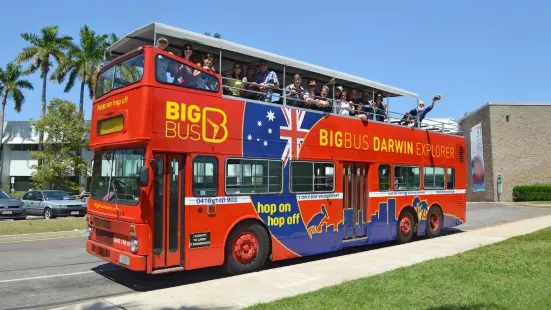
{"x": 434, "y": 221}
{"x": 245, "y": 247}
{"x": 405, "y": 226}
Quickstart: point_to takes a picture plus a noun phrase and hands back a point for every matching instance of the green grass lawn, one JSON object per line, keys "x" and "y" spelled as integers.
{"x": 41, "y": 226}
{"x": 514, "y": 274}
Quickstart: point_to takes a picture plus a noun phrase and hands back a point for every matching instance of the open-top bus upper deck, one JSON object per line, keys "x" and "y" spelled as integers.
{"x": 227, "y": 53}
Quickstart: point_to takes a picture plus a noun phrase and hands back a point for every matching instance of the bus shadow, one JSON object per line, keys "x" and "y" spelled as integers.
{"x": 141, "y": 282}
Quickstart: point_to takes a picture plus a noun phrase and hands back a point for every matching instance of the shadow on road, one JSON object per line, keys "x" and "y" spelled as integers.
{"x": 141, "y": 282}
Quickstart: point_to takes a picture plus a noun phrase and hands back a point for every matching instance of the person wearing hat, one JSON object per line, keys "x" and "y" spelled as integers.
{"x": 378, "y": 107}
{"x": 163, "y": 63}
{"x": 312, "y": 88}
{"x": 420, "y": 112}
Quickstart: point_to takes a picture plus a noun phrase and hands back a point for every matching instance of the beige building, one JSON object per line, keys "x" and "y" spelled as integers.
{"x": 510, "y": 142}
{"x": 20, "y": 139}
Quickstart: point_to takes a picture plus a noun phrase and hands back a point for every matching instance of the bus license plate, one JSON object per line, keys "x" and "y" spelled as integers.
{"x": 75, "y": 212}
{"x": 6, "y": 212}
{"x": 123, "y": 259}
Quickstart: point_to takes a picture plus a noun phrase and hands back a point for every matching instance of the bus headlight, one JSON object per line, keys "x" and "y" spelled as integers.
{"x": 134, "y": 246}
{"x": 89, "y": 232}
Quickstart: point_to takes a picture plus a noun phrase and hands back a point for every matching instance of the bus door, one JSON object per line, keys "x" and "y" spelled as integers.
{"x": 355, "y": 200}
{"x": 168, "y": 214}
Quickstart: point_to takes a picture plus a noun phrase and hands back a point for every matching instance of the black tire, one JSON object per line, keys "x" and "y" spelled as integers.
{"x": 48, "y": 213}
{"x": 234, "y": 266}
{"x": 434, "y": 232}
{"x": 400, "y": 237}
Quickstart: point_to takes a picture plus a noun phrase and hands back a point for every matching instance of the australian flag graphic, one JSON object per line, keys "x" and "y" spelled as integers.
{"x": 277, "y": 132}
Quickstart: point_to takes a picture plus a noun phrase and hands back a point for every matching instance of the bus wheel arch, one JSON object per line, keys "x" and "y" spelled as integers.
{"x": 407, "y": 225}
{"x": 435, "y": 221}
{"x": 247, "y": 247}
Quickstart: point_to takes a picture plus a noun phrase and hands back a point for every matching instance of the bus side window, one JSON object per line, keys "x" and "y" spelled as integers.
{"x": 451, "y": 178}
{"x": 205, "y": 176}
{"x": 384, "y": 177}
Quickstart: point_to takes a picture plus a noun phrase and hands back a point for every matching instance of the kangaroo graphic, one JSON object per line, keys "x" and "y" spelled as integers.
{"x": 313, "y": 225}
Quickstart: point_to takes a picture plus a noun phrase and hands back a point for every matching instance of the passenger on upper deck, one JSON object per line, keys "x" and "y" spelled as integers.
{"x": 421, "y": 111}
{"x": 324, "y": 104}
{"x": 247, "y": 80}
{"x": 379, "y": 108}
{"x": 162, "y": 63}
{"x": 182, "y": 73}
{"x": 235, "y": 84}
{"x": 364, "y": 110}
{"x": 343, "y": 106}
{"x": 296, "y": 91}
{"x": 265, "y": 81}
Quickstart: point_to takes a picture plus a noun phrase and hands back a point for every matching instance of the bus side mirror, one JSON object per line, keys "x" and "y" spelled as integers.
{"x": 143, "y": 176}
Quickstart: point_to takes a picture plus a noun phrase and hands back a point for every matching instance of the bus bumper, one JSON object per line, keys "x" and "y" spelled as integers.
{"x": 116, "y": 256}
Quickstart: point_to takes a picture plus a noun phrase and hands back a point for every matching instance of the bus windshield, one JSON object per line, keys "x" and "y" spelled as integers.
{"x": 114, "y": 176}
{"x": 122, "y": 74}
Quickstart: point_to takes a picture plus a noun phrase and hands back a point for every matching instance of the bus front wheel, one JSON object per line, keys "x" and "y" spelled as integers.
{"x": 246, "y": 249}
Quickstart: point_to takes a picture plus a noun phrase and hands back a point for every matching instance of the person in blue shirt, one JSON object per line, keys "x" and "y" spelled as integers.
{"x": 421, "y": 111}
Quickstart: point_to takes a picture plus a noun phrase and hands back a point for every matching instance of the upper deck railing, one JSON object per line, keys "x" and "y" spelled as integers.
{"x": 358, "y": 111}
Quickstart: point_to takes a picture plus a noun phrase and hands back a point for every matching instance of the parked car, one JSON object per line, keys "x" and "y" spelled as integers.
{"x": 11, "y": 208}
{"x": 53, "y": 203}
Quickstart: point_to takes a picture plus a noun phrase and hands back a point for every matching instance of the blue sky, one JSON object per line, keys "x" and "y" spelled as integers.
{"x": 471, "y": 52}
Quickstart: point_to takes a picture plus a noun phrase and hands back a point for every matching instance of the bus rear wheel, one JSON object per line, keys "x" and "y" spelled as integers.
{"x": 406, "y": 225}
{"x": 246, "y": 249}
{"x": 434, "y": 222}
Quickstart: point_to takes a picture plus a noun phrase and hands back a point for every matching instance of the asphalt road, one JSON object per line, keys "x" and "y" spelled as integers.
{"x": 43, "y": 274}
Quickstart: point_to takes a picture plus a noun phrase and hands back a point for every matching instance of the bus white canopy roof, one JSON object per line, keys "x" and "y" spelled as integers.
{"x": 178, "y": 37}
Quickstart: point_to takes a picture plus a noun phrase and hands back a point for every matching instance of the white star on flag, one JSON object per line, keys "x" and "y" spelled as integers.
{"x": 249, "y": 137}
{"x": 269, "y": 130}
{"x": 265, "y": 143}
{"x": 259, "y": 123}
{"x": 271, "y": 116}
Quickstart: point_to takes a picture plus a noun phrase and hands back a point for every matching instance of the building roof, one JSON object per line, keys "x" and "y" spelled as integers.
{"x": 21, "y": 132}
{"x": 512, "y": 104}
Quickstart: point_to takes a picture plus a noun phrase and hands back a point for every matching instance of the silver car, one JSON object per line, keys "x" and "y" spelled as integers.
{"x": 11, "y": 208}
{"x": 53, "y": 203}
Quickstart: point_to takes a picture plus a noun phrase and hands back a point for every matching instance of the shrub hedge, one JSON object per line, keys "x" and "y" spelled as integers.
{"x": 532, "y": 192}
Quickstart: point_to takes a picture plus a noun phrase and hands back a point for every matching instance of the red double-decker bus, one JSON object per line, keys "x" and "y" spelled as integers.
{"x": 192, "y": 169}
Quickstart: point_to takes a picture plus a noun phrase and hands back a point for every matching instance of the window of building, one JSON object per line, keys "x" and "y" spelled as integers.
{"x": 406, "y": 178}
{"x": 312, "y": 177}
{"x": 451, "y": 178}
{"x": 24, "y": 147}
{"x": 384, "y": 177}
{"x": 433, "y": 178}
{"x": 205, "y": 176}
{"x": 253, "y": 176}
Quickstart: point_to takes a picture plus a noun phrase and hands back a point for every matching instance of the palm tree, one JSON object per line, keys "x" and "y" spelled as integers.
{"x": 11, "y": 87}
{"x": 83, "y": 62}
{"x": 42, "y": 47}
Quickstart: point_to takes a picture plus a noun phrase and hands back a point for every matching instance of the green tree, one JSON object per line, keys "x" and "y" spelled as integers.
{"x": 67, "y": 132}
{"x": 83, "y": 61}
{"x": 40, "y": 51}
{"x": 11, "y": 87}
